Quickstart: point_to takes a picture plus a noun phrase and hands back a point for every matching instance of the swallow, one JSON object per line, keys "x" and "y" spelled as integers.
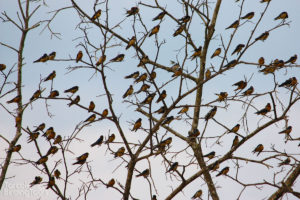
{"x": 168, "y": 120}
{"x": 143, "y": 88}
{"x": 36, "y": 95}
{"x": 259, "y": 148}
{"x": 154, "y": 197}
{"x": 194, "y": 133}
{"x": 128, "y": 92}
{"x": 197, "y": 194}
{"x": 265, "y": 110}
{"x": 161, "y": 110}
{"x": 144, "y": 173}
{"x": 131, "y": 42}
{"x": 134, "y": 75}
{"x": 207, "y": 74}
{"x": 58, "y": 139}
{"x": 173, "y": 167}
{"x": 211, "y": 113}
{"x": 165, "y": 142}
{"x": 285, "y": 162}
{"x": 261, "y": 61}
{"x": 74, "y": 101}
{"x": 263, "y": 36}
{"x": 79, "y": 56}
{"x": 52, "y": 55}
{"x": 238, "y": 49}
{"x": 268, "y": 69}
{"x": 104, "y": 113}
{"x": 249, "y": 91}
{"x": 249, "y": 15}
{"x": 91, "y": 118}
{"x": 2, "y": 67}
{"x": 185, "y": 19}
{"x": 32, "y": 136}
{"x": 149, "y": 98}
{"x": 240, "y": 85}
{"x": 50, "y": 76}
{"x": 197, "y": 53}
{"x": 137, "y": 124}
{"x": 175, "y": 66}
{"x": 96, "y": 15}
{"x": 152, "y": 76}
{"x": 154, "y": 30}
{"x": 91, "y": 106}
{"x": 292, "y": 59}
{"x": 162, "y": 96}
{"x": 217, "y": 52}
{"x": 44, "y": 58}
{"x": 81, "y": 159}
{"x": 183, "y": 110}
{"x": 98, "y": 142}
{"x": 120, "y": 152}
{"x": 263, "y": 1}
{"x": 210, "y": 155}
{"x": 222, "y": 96}
{"x": 37, "y": 180}
{"x": 57, "y": 174}
{"x": 179, "y": 30}
{"x": 283, "y": 16}
{"x": 40, "y": 127}
{"x": 51, "y": 135}
{"x": 53, "y": 94}
{"x": 48, "y": 131}
{"x": 110, "y": 139}
{"x": 231, "y": 64}
{"x": 224, "y": 171}
{"x": 215, "y": 166}
{"x": 289, "y": 82}
{"x": 279, "y": 63}
{"x": 177, "y": 72}
{"x": 160, "y": 16}
{"x": 118, "y": 58}
{"x": 144, "y": 60}
{"x": 72, "y": 90}
{"x": 132, "y": 11}
{"x": 110, "y": 183}
{"x": 288, "y": 130}
{"x": 235, "y": 129}
{"x": 42, "y": 160}
{"x": 16, "y": 148}
{"x": 234, "y": 25}
{"x": 101, "y": 60}
{"x": 51, "y": 182}
{"x": 52, "y": 150}
{"x": 16, "y": 99}
{"x": 235, "y": 141}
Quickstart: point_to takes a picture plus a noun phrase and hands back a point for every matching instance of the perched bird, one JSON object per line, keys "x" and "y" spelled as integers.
{"x": 120, "y": 152}
{"x": 289, "y": 82}
{"x": 51, "y": 136}
{"x": 128, "y": 92}
{"x": 173, "y": 167}
{"x": 168, "y": 120}
{"x": 268, "y": 69}
{"x": 79, "y": 56}
{"x": 288, "y": 130}
{"x": 72, "y": 90}
{"x": 154, "y": 197}
{"x": 240, "y": 85}
{"x": 2, "y": 67}
{"x": 16, "y": 148}
{"x": 81, "y": 159}
{"x": 40, "y": 127}
{"x": 144, "y": 173}
{"x": 249, "y": 91}
{"x": 249, "y": 15}
{"x": 137, "y": 124}
{"x": 154, "y": 30}
{"x": 57, "y": 174}
{"x": 98, "y": 142}
{"x": 165, "y": 142}
{"x": 231, "y": 64}
{"x": 16, "y": 99}
{"x": 194, "y": 133}
{"x": 110, "y": 183}
{"x": 184, "y": 109}
{"x": 215, "y": 166}
{"x": 144, "y": 60}
{"x": 211, "y": 113}
{"x": 53, "y": 94}
{"x": 52, "y": 55}
{"x": 235, "y": 141}
{"x": 210, "y": 155}
{"x": 51, "y": 182}
{"x": 285, "y": 162}
{"x": 37, "y": 180}
{"x": 74, "y": 101}
{"x": 44, "y": 58}
{"x": 177, "y": 72}
{"x": 161, "y": 110}
{"x": 179, "y": 30}
{"x": 222, "y": 96}
{"x": 197, "y": 194}
{"x": 259, "y": 148}
{"x": 96, "y": 15}
{"x": 132, "y": 11}
{"x": 207, "y": 74}
{"x": 196, "y": 53}
{"x": 149, "y": 98}
{"x": 185, "y": 19}
{"x": 216, "y": 53}
{"x": 91, "y": 118}
{"x": 110, "y": 139}
{"x": 261, "y": 61}
{"x": 58, "y": 139}
{"x": 36, "y": 95}
{"x": 238, "y": 49}
{"x": 292, "y": 59}
{"x": 42, "y": 160}
{"x": 118, "y": 58}
{"x": 235, "y": 129}
{"x": 131, "y": 42}
{"x": 283, "y": 16}
{"x": 175, "y": 66}
{"x": 143, "y": 88}
{"x": 134, "y": 75}
{"x": 152, "y": 76}
{"x": 160, "y": 16}
{"x": 234, "y": 25}
{"x": 48, "y": 131}
{"x": 32, "y": 136}
{"x": 162, "y": 96}
{"x": 104, "y": 113}
{"x": 265, "y": 110}
{"x": 263, "y": 36}
{"x": 101, "y": 60}
{"x": 91, "y": 106}
{"x": 224, "y": 171}
{"x": 51, "y": 76}
{"x": 52, "y": 150}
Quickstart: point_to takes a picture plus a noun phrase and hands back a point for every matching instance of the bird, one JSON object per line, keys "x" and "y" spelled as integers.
{"x": 32, "y": 136}
{"x": 249, "y": 91}
{"x": 263, "y": 36}
{"x": 48, "y": 131}
{"x": 215, "y": 166}
{"x": 132, "y": 11}
{"x": 217, "y": 52}
{"x": 57, "y": 174}
{"x": 161, "y": 110}
{"x": 110, "y": 139}
{"x": 40, "y": 127}
{"x": 154, "y": 197}
{"x": 292, "y": 59}
{"x": 162, "y": 96}
{"x": 98, "y": 142}
{"x": 175, "y": 66}
{"x": 235, "y": 141}
{"x": 96, "y": 15}
{"x": 265, "y": 110}
{"x": 197, "y": 194}
{"x": 235, "y": 129}
{"x": 37, "y": 180}
{"x": 79, "y": 56}
{"x": 141, "y": 78}
{"x": 51, "y": 182}
{"x": 173, "y": 167}
{"x": 177, "y": 72}
{"x": 2, "y": 67}
{"x": 51, "y": 76}
{"x": 131, "y": 42}
{"x": 42, "y": 160}
{"x": 249, "y": 15}
{"x": 52, "y": 55}
{"x": 183, "y": 110}
{"x": 196, "y": 53}
{"x": 289, "y": 82}
{"x": 168, "y": 120}
{"x": 240, "y": 85}
{"x": 152, "y": 76}
{"x": 91, "y": 106}
{"x": 128, "y": 92}
{"x": 259, "y": 148}
{"x": 53, "y": 94}
{"x": 234, "y": 25}
{"x": 261, "y": 61}
{"x": 72, "y": 90}
{"x": 160, "y": 16}
{"x": 58, "y": 139}
{"x": 110, "y": 183}
{"x": 74, "y": 101}
{"x": 91, "y": 118}
{"x": 207, "y": 74}
{"x": 51, "y": 135}
{"x": 285, "y": 162}
{"x": 101, "y": 60}
{"x": 16, "y": 99}
{"x": 120, "y": 152}
{"x": 104, "y": 113}
{"x": 211, "y": 113}
{"x": 210, "y": 155}
{"x": 283, "y": 16}
{"x": 16, "y": 148}
{"x": 144, "y": 60}
{"x": 137, "y": 124}
{"x": 222, "y": 96}
{"x": 143, "y": 88}
{"x": 194, "y": 133}
{"x": 224, "y": 171}
{"x": 118, "y": 58}
{"x": 185, "y": 19}
{"x": 288, "y": 130}
{"x": 179, "y": 30}
{"x": 36, "y": 95}
{"x": 268, "y": 69}
{"x": 144, "y": 173}
{"x": 81, "y": 159}
{"x": 149, "y": 98}
{"x": 154, "y": 30}
{"x": 134, "y": 75}
{"x": 44, "y": 58}
{"x": 165, "y": 142}
{"x": 52, "y": 150}
{"x": 238, "y": 49}
{"x": 231, "y": 64}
